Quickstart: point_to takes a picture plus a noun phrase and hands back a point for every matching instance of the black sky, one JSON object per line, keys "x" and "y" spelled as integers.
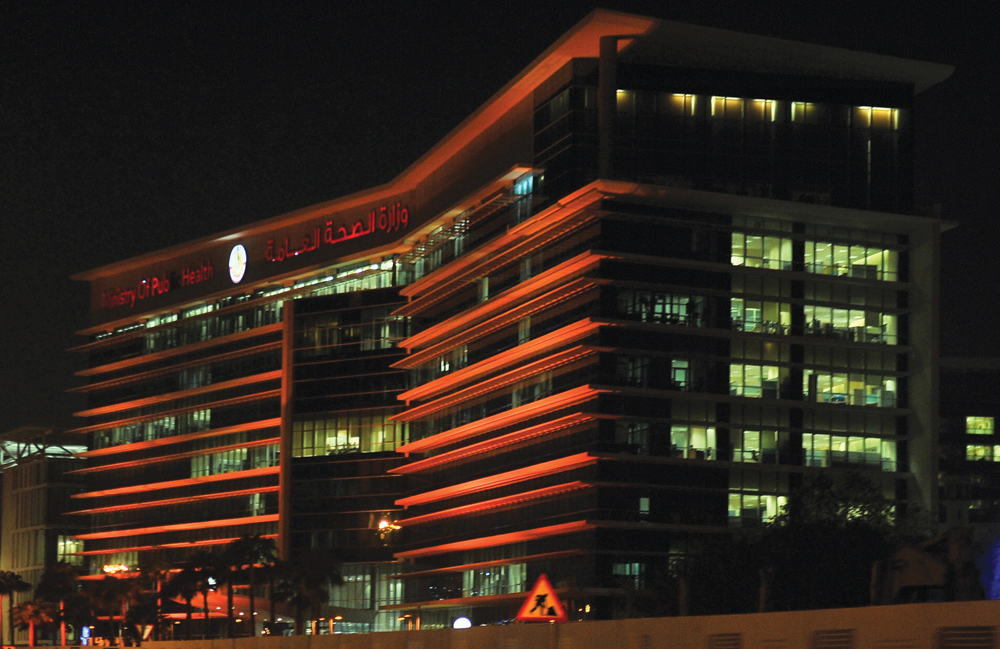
{"x": 126, "y": 127}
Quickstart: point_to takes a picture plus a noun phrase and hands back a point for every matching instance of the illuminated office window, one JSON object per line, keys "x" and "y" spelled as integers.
{"x": 979, "y": 425}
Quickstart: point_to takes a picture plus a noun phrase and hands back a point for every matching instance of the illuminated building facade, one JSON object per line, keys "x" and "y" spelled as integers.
{"x": 36, "y": 485}
{"x": 660, "y": 278}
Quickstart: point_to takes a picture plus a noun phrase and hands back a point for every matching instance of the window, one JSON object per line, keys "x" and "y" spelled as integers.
{"x": 823, "y": 450}
{"x": 747, "y": 510}
{"x": 979, "y": 425}
{"x": 854, "y": 389}
{"x": 759, "y": 381}
{"x": 857, "y": 260}
{"x": 631, "y": 574}
{"x": 755, "y": 251}
{"x": 692, "y": 442}
{"x": 856, "y": 325}
{"x": 760, "y": 316}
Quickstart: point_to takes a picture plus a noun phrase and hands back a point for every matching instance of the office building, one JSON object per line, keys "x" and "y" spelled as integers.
{"x": 662, "y": 277}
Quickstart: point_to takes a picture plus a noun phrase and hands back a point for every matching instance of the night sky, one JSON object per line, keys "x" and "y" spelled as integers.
{"x": 129, "y": 127}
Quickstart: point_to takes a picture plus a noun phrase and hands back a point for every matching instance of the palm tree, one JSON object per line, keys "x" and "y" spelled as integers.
{"x": 306, "y": 583}
{"x": 184, "y": 585}
{"x": 10, "y": 583}
{"x": 249, "y": 550}
{"x": 58, "y": 584}
{"x": 113, "y": 594}
{"x": 202, "y": 571}
{"x": 155, "y": 572}
{"x": 31, "y": 614}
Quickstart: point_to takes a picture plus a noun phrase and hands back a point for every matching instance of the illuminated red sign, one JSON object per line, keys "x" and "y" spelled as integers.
{"x": 388, "y": 218}
{"x": 156, "y": 285}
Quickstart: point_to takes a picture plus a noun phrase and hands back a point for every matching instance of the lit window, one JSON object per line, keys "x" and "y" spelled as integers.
{"x": 979, "y": 425}
{"x": 977, "y": 452}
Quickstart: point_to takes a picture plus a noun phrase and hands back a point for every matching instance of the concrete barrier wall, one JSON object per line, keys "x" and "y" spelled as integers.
{"x": 910, "y": 626}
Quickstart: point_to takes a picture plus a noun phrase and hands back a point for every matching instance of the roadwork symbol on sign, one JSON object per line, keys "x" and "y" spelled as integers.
{"x": 542, "y": 604}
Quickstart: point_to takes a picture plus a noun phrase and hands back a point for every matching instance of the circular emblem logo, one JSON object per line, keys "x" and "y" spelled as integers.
{"x": 237, "y": 263}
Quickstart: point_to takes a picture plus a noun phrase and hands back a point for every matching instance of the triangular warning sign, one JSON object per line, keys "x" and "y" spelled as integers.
{"x": 542, "y": 604}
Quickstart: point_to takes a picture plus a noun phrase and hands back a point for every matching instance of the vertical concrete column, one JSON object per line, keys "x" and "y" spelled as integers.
{"x": 285, "y": 466}
{"x": 607, "y": 103}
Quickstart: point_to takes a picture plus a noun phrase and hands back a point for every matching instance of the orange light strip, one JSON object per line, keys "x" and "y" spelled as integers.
{"x": 154, "y": 486}
{"x": 179, "y": 527}
{"x": 522, "y": 435}
{"x": 163, "y": 441}
{"x": 501, "y": 479}
{"x": 176, "y": 456}
{"x": 551, "y": 279}
{"x": 510, "y": 417}
{"x": 545, "y": 302}
{"x": 177, "y": 501}
{"x": 495, "y": 503}
{"x": 499, "y": 539}
{"x": 512, "y": 356}
{"x": 182, "y": 394}
{"x": 163, "y": 546}
{"x": 167, "y": 353}
{"x": 142, "y": 376}
{"x": 518, "y": 243}
{"x": 223, "y": 403}
{"x": 531, "y": 558}
{"x": 496, "y": 383}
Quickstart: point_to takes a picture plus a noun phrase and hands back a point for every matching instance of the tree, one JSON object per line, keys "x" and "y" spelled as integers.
{"x": 57, "y": 585}
{"x": 115, "y": 594}
{"x": 184, "y": 585}
{"x": 154, "y": 573}
{"x": 202, "y": 572}
{"x": 32, "y": 614}
{"x": 247, "y": 552}
{"x": 10, "y": 583}
{"x": 306, "y": 581}
{"x": 819, "y": 553}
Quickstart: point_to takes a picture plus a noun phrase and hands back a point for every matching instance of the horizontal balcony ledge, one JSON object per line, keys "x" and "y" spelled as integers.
{"x": 186, "y": 482}
{"x": 533, "y": 558}
{"x": 499, "y": 539}
{"x": 178, "y": 439}
{"x": 179, "y": 527}
{"x": 176, "y": 456}
{"x": 176, "y": 501}
{"x": 167, "y": 353}
{"x": 222, "y": 403}
{"x": 159, "y": 546}
{"x": 516, "y": 437}
{"x": 172, "y": 369}
{"x": 522, "y": 373}
{"x": 512, "y": 356}
{"x": 494, "y": 503}
{"x": 567, "y": 399}
{"x": 182, "y": 394}
{"x": 501, "y": 479}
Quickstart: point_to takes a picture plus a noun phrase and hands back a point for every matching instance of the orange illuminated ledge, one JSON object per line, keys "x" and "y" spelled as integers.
{"x": 223, "y": 403}
{"x": 170, "y": 369}
{"x": 501, "y": 479}
{"x": 493, "y": 385}
{"x": 176, "y": 456}
{"x": 494, "y": 503}
{"x": 556, "y": 425}
{"x": 499, "y": 539}
{"x": 154, "y": 486}
{"x": 177, "y": 501}
{"x": 162, "y": 546}
{"x": 518, "y": 243}
{"x": 452, "y": 380}
{"x": 182, "y": 394}
{"x": 573, "y": 397}
{"x": 527, "y": 291}
{"x": 531, "y": 558}
{"x": 179, "y": 527}
{"x": 497, "y": 323}
{"x": 176, "y": 439}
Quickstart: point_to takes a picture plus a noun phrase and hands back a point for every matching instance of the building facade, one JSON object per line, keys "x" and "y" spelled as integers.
{"x": 662, "y": 277}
